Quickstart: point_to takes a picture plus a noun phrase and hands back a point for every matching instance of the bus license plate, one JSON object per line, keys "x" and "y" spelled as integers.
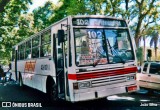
{"x": 132, "y": 88}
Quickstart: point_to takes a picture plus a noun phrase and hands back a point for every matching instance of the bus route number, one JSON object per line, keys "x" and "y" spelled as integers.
{"x": 82, "y": 22}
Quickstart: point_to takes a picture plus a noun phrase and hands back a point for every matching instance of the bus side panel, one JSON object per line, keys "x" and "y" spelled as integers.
{"x": 13, "y": 70}
{"x": 24, "y": 70}
{"x": 43, "y": 68}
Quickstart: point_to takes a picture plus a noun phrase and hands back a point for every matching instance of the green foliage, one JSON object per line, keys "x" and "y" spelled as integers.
{"x": 3, "y": 4}
{"x": 10, "y": 29}
{"x": 139, "y": 54}
{"x": 60, "y": 10}
{"x": 147, "y": 17}
{"x": 43, "y": 16}
{"x": 79, "y": 8}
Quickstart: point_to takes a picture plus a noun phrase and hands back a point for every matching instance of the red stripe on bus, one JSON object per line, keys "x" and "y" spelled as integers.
{"x": 102, "y": 74}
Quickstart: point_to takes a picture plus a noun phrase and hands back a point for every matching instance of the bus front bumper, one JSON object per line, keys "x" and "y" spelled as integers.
{"x": 102, "y": 93}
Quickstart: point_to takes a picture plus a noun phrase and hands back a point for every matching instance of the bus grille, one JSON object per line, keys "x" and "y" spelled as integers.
{"x": 109, "y": 81}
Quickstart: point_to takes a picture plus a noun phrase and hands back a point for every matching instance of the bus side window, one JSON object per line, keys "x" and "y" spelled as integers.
{"x": 13, "y": 54}
{"x": 28, "y": 50}
{"x": 35, "y": 47}
{"x": 21, "y": 52}
{"x": 46, "y": 44}
{"x": 35, "y": 52}
{"x": 47, "y": 50}
{"x": 41, "y": 53}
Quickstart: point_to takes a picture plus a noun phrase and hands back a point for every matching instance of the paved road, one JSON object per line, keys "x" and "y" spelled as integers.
{"x": 11, "y": 92}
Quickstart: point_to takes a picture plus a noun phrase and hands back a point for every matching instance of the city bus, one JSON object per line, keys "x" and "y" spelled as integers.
{"x": 78, "y": 58}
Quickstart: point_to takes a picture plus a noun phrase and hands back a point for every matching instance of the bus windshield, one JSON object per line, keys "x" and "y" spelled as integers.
{"x": 102, "y": 46}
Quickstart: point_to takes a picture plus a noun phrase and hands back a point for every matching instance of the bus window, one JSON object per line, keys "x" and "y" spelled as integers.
{"x": 90, "y": 47}
{"x": 35, "y": 41}
{"x": 13, "y": 54}
{"x": 46, "y": 44}
{"x": 119, "y": 45}
{"x": 21, "y": 52}
{"x": 46, "y": 50}
{"x": 46, "y": 37}
{"x": 35, "y": 47}
{"x": 28, "y": 50}
{"x": 35, "y": 52}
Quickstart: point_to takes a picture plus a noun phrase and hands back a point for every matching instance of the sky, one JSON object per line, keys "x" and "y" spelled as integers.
{"x": 37, "y": 3}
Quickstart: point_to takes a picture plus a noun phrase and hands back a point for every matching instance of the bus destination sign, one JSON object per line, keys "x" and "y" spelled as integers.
{"x": 98, "y": 22}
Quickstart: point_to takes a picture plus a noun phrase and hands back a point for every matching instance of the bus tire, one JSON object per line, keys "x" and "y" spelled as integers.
{"x": 52, "y": 91}
{"x": 20, "y": 81}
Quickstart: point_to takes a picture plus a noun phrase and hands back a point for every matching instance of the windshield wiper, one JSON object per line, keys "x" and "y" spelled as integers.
{"x": 104, "y": 46}
{"x": 113, "y": 51}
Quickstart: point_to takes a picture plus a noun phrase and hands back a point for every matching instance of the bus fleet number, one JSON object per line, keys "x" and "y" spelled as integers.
{"x": 45, "y": 67}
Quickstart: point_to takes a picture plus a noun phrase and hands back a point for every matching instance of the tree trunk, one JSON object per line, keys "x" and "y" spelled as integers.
{"x": 137, "y": 41}
{"x": 137, "y": 32}
{"x": 126, "y": 4}
{"x": 144, "y": 49}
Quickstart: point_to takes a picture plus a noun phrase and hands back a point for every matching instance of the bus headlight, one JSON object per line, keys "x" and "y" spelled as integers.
{"x": 81, "y": 85}
{"x": 130, "y": 77}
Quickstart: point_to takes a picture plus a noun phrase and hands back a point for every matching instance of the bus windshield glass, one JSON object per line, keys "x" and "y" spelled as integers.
{"x": 102, "y": 46}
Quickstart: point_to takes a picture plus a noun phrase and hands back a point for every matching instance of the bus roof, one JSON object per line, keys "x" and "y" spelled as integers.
{"x": 71, "y": 16}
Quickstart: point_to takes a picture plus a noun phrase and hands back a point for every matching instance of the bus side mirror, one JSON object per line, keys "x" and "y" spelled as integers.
{"x": 60, "y": 36}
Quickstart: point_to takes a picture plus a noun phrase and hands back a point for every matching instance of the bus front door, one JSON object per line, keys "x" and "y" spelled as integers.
{"x": 60, "y": 73}
{"x": 61, "y": 68}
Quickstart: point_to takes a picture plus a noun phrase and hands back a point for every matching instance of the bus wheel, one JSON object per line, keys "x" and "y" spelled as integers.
{"x": 20, "y": 81}
{"x": 52, "y": 92}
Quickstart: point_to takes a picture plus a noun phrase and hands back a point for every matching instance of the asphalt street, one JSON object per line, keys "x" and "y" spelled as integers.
{"x": 12, "y": 93}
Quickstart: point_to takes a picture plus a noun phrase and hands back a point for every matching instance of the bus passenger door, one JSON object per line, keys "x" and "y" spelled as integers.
{"x": 60, "y": 71}
{"x": 61, "y": 68}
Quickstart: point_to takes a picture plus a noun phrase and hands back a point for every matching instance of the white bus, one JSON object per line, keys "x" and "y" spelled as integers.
{"x": 78, "y": 58}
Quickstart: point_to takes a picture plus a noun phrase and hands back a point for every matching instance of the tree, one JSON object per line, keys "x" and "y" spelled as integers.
{"x": 43, "y": 16}
{"x": 146, "y": 10}
{"x": 60, "y": 10}
{"x": 90, "y": 7}
{"x": 3, "y": 3}
{"x": 140, "y": 57}
{"x": 9, "y": 26}
{"x": 154, "y": 41}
